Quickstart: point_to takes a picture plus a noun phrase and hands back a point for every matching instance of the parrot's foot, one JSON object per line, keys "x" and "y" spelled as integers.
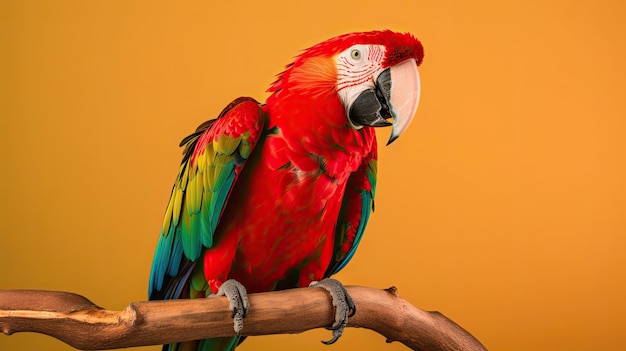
{"x": 344, "y": 306}
{"x": 238, "y": 301}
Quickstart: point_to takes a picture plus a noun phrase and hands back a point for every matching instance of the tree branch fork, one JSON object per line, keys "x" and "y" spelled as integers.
{"x": 78, "y": 322}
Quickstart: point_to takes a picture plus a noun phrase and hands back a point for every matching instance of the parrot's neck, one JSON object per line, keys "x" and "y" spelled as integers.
{"x": 315, "y": 130}
{"x": 306, "y": 110}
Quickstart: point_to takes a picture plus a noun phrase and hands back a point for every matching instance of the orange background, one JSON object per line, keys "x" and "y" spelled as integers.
{"x": 503, "y": 206}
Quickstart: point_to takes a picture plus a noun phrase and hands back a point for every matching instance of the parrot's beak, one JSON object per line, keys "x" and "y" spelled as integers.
{"x": 404, "y": 97}
{"x": 396, "y": 95}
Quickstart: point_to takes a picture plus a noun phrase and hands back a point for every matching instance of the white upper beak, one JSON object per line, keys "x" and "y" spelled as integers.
{"x": 404, "y": 97}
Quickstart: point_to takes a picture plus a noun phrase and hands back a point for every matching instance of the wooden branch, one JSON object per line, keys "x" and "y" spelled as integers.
{"x": 78, "y": 322}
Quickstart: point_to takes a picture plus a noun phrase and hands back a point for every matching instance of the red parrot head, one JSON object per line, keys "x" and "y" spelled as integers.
{"x": 373, "y": 74}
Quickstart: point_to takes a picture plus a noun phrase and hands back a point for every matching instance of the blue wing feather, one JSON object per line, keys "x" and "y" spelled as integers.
{"x": 366, "y": 200}
{"x": 357, "y": 205}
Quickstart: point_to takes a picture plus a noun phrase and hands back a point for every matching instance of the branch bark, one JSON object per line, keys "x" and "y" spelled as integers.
{"x": 78, "y": 322}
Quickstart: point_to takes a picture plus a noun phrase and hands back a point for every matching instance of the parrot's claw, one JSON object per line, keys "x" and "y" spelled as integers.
{"x": 238, "y": 301}
{"x": 344, "y": 306}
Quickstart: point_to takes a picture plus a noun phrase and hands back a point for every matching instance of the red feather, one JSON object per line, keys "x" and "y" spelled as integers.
{"x": 296, "y": 206}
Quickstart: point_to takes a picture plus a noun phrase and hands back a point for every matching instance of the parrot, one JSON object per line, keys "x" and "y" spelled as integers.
{"x": 277, "y": 195}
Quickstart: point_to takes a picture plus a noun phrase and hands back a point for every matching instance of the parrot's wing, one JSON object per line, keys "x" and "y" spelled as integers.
{"x": 213, "y": 159}
{"x": 358, "y": 203}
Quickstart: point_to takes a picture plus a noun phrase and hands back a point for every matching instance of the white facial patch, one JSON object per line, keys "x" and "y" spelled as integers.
{"x": 357, "y": 69}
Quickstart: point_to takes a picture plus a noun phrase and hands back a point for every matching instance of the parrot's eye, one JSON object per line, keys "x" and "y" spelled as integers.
{"x": 355, "y": 54}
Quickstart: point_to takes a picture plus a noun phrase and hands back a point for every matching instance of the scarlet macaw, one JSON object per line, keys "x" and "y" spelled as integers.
{"x": 277, "y": 195}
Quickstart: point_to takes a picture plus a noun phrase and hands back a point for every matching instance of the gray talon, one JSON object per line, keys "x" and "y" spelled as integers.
{"x": 238, "y": 301}
{"x": 336, "y": 334}
{"x": 344, "y": 306}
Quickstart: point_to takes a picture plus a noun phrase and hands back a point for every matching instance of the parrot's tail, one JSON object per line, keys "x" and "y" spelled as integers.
{"x": 215, "y": 344}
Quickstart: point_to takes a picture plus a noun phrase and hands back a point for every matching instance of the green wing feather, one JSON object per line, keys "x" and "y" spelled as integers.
{"x": 213, "y": 158}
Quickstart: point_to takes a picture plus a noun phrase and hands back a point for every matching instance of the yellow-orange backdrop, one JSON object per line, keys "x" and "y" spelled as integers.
{"x": 503, "y": 206}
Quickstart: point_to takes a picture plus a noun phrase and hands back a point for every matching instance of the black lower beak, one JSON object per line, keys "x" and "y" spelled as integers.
{"x": 371, "y": 107}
